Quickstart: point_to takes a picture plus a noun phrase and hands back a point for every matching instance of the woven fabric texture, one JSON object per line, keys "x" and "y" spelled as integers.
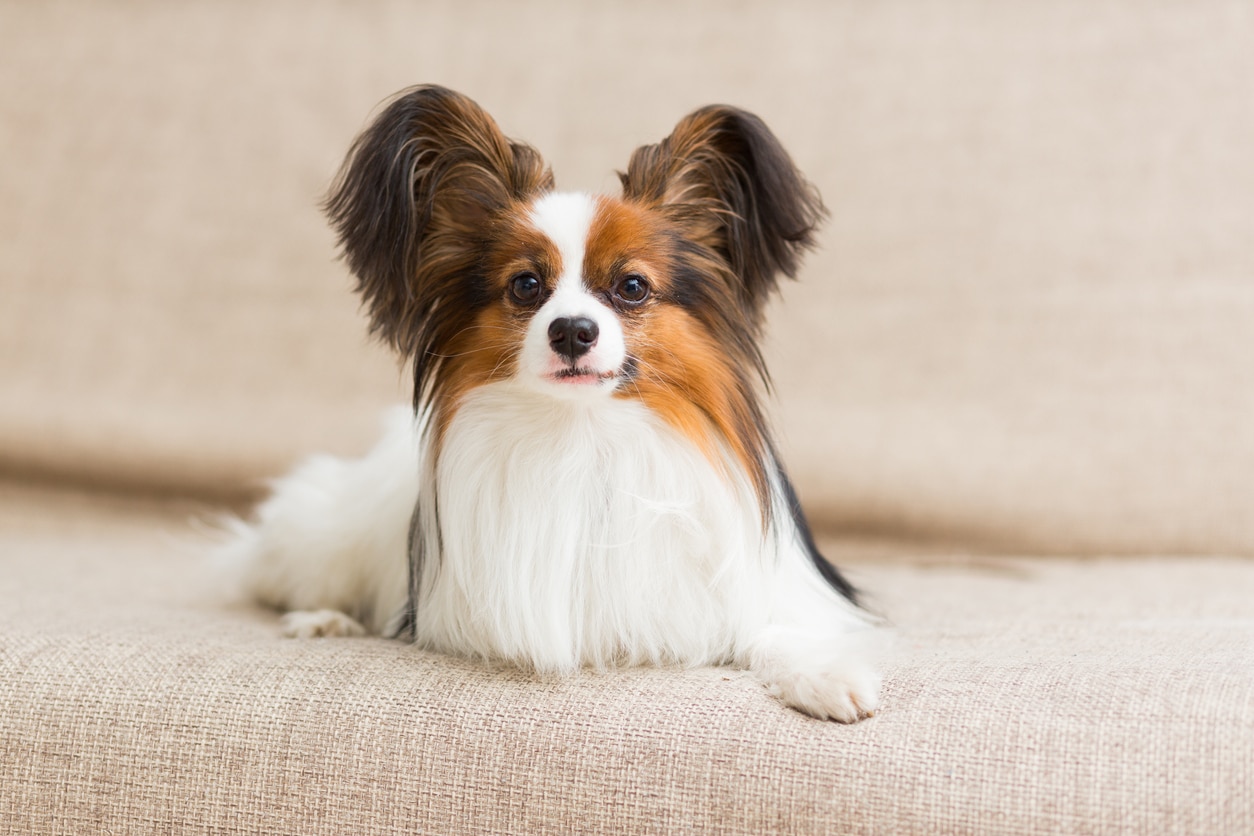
{"x": 1029, "y": 330}
{"x": 1023, "y": 696}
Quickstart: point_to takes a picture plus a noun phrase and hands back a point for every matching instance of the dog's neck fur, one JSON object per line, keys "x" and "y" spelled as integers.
{"x": 577, "y": 509}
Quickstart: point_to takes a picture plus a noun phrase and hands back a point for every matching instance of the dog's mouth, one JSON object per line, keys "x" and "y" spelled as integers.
{"x": 583, "y": 376}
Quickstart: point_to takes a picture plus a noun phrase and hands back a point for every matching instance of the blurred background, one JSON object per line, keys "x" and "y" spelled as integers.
{"x": 1030, "y": 326}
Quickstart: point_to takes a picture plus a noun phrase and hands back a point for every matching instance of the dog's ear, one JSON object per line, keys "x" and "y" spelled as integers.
{"x": 729, "y": 182}
{"x": 414, "y": 199}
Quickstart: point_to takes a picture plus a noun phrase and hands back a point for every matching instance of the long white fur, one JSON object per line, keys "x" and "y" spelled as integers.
{"x": 561, "y": 532}
{"x": 334, "y": 533}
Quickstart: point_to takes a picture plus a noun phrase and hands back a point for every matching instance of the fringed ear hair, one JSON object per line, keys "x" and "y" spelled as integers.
{"x": 413, "y": 202}
{"x": 724, "y": 176}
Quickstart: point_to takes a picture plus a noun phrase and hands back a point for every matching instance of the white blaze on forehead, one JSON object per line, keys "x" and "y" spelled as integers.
{"x": 566, "y": 217}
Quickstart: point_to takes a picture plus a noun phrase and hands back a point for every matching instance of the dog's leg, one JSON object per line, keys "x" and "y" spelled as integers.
{"x": 816, "y": 652}
{"x": 825, "y": 675}
{"x": 330, "y": 544}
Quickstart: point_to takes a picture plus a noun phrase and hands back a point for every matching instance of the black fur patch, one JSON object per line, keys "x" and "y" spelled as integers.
{"x": 829, "y": 572}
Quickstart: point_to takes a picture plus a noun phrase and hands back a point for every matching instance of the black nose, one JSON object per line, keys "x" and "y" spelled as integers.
{"x": 571, "y": 337}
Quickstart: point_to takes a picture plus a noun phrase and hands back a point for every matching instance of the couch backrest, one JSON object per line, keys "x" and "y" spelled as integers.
{"x": 1031, "y": 325}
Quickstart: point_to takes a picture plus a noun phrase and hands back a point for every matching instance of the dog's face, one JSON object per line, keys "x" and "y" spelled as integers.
{"x": 558, "y": 316}
{"x": 589, "y": 297}
{"x": 472, "y": 266}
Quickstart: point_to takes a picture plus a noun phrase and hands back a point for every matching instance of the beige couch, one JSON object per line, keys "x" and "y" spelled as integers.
{"x": 1016, "y": 389}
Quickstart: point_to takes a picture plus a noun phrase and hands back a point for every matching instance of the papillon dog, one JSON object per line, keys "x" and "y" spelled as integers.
{"x": 586, "y": 478}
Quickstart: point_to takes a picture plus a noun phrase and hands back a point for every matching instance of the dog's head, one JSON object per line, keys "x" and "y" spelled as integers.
{"x": 474, "y": 268}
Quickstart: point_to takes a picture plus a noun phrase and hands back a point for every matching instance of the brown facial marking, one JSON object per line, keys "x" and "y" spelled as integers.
{"x": 482, "y": 352}
{"x": 485, "y": 348}
{"x": 682, "y": 375}
{"x": 517, "y": 246}
{"x": 623, "y": 239}
{"x": 684, "y": 371}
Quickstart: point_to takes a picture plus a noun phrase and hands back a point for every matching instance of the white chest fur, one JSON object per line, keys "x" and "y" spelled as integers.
{"x": 561, "y": 534}
{"x": 557, "y": 534}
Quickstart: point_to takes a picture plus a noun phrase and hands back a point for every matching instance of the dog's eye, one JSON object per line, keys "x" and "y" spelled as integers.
{"x": 633, "y": 289}
{"x": 524, "y": 288}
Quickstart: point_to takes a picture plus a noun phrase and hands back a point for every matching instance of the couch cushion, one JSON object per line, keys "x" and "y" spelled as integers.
{"x": 1025, "y": 696}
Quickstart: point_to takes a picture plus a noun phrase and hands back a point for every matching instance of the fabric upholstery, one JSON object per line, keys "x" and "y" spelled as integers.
{"x": 1023, "y": 696}
{"x": 1015, "y": 387}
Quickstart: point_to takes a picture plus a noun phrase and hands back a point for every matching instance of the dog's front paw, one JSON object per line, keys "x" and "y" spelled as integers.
{"x": 831, "y": 677}
{"x": 312, "y": 624}
{"x": 845, "y": 692}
